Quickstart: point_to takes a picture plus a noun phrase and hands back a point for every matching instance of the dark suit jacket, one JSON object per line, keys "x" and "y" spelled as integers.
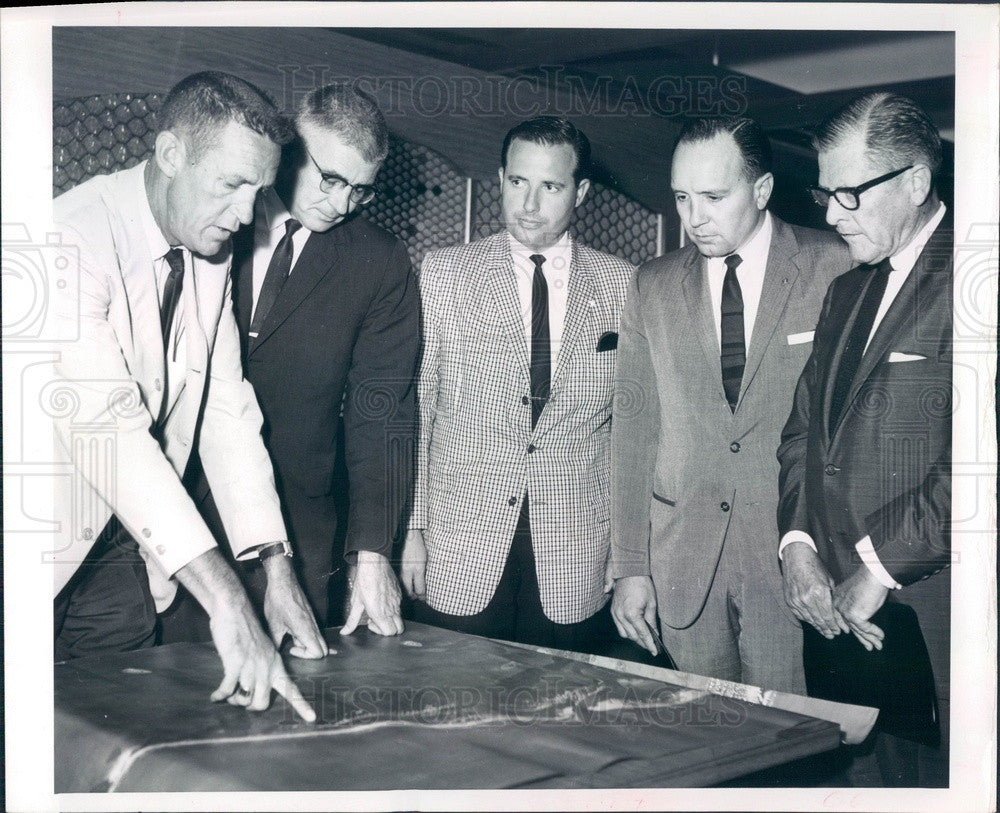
{"x": 884, "y": 470}
{"x": 687, "y": 472}
{"x": 344, "y": 331}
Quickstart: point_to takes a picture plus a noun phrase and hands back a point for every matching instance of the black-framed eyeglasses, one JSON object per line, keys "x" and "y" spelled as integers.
{"x": 850, "y": 196}
{"x": 331, "y": 183}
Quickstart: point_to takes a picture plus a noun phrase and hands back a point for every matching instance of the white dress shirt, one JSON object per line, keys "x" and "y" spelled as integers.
{"x": 902, "y": 263}
{"x": 749, "y": 273}
{"x": 270, "y": 215}
{"x": 556, "y": 273}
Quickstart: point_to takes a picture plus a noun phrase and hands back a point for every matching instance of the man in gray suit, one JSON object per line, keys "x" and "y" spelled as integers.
{"x": 712, "y": 341}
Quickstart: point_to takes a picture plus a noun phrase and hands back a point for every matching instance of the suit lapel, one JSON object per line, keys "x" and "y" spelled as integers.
{"x": 702, "y": 321}
{"x": 202, "y": 302}
{"x": 502, "y": 287}
{"x": 147, "y": 338}
{"x": 320, "y": 255}
{"x": 898, "y": 319}
{"x": 779, "y": 281}
{"x": 580, "y": 305}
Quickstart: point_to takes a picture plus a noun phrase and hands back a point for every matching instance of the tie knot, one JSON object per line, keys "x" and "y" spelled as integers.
{"x": 175, "y": 259}
{"x": 733, "y": 261}
{"x": 291, "y": 226}
{"x": 538, "y": 260}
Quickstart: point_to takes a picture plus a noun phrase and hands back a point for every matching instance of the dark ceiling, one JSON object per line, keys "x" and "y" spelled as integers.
{"x": 787, "y": 80}
{"x": 457, "y": 91}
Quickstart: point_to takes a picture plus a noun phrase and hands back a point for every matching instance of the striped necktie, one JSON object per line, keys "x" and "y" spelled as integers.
{"x": 734, "y": 353}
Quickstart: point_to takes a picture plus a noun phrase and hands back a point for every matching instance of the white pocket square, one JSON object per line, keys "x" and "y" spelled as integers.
{"x": 801, "y": 338}
{"x": 895, "y": 357}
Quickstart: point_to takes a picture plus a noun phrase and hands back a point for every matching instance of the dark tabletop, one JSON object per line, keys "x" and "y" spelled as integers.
{"x": 429, "y": 709}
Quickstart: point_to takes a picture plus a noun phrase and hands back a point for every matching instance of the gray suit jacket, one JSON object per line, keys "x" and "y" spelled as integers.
{"x": 686, "y": 471}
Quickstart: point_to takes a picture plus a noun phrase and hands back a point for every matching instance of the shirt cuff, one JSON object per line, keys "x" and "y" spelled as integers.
{"x": 795, "y": 536}
{"x": 254, "y": 552}
{"x": 866, "y": 550}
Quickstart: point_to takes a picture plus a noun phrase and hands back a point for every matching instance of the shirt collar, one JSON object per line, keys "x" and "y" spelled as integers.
{"x": 753, "y": 253}
{"x": 904, "y": 259}
{"x": 562, "y": 247}
{"x": 158, "y": 245}
{"x": 274, "y": 211}
{"x": 754, "y": 250}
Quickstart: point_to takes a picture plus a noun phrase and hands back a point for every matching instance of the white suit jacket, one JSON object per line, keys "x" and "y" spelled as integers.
{"x": 477, "y": 455}
{"x": 110, "y": 383}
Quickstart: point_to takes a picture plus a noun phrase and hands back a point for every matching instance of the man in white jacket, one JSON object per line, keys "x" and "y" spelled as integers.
{"x": 153, "y": 370}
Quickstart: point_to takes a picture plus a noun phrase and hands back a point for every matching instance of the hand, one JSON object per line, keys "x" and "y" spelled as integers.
{"x": 633, "y": 610}
{"x": 251, "y": 665}
{"x": 287, "y": 611}
{"x": 374, "y": 591}
{"x": 857, "y": 598}
{"x": 413, "y": 567}
{"x": 809, "y": 590}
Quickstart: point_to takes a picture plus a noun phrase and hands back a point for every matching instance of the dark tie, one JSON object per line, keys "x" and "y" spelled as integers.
{"x": 277, "y": 272}
{"x": 854, "y": 347}
{"x": 171, "y": 291}
{"x": 734, "y": 352}
{"x": 541, "y": 349}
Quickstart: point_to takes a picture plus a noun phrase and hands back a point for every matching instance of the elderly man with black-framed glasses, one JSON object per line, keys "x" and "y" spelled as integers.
{"x": 865, "y": 457}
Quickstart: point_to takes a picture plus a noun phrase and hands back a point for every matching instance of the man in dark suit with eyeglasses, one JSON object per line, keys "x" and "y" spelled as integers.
{"x": 327, "y": 310}
{"x": 865, "y": 457}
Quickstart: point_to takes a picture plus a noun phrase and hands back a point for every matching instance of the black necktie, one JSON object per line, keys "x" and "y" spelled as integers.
{"x": 734, "y": 353}
{"x": 171, "y": 291}
{"x": 541, "y": 349}
{"x": 854, "y": 347}
{"x": 277, "y": 272}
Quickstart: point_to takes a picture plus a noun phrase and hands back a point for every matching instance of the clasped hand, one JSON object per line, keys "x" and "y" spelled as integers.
{"x": 830, "y": 608}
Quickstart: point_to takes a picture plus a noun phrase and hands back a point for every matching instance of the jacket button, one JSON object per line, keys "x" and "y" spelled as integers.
{"x": 831, "y": 469}
{"x": 724, "y": 506}
{"x": 147, "y": 533}
{"x": 512, "y": 501}
{"x": 525, "y": 400}
{"x": 87, "y": 534}
{"x": 160, "y": 549}
{"x": 734, "y": 447}
{"x": 531, "y": 448}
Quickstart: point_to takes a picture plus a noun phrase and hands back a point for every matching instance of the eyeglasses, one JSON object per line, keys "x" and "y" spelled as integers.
{"x": 850, "y": 196}
{"x": 331, "y": 182}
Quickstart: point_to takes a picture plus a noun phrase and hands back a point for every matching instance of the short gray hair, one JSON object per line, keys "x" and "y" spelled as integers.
{"x": 896, "y": 131}
{"x": 350, "y": 113}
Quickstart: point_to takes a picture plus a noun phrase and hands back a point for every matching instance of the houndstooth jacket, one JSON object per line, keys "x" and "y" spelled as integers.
{"x": 477, "y": 455}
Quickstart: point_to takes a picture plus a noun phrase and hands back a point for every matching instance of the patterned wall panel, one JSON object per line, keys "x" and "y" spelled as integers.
{"x": 422, "y": 200}
{"x": 606, "y": 220}
{"x": 98, "y": 135}
{"x": 611, "y": 222}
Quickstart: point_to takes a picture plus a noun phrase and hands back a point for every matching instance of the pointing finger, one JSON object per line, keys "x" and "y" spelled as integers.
{"x": 284, "y": 686}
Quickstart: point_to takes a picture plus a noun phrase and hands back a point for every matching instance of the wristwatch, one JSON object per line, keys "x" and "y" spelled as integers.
{"x": 281, "y": 548}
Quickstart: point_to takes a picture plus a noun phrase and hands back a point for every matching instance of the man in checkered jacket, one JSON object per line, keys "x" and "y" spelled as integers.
{"x": 509, "y": 535}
